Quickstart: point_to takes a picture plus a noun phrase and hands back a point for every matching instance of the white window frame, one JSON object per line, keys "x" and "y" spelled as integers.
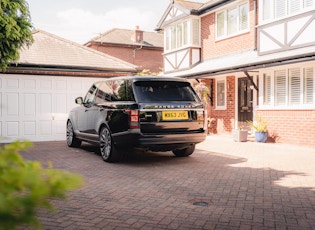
{"x": 271, "y": 9}
{"x": 238, "y": 30}
{"x": 292, "y": 99}
{"x": 220, "y": 107}
{"x": 182, "y": 34}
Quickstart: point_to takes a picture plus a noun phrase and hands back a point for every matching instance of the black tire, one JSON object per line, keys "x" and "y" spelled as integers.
{"x": 107, "y": 149}
{"x": 184, "y": 152}
{"x": 72, "y": 141}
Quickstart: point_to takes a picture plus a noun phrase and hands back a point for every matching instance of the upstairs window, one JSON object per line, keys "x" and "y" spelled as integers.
{"x": 276, "y": 9}
{"x": 183, "y": 34}
{"x": 289, "y": 88}
{"x": 232, "y": 21}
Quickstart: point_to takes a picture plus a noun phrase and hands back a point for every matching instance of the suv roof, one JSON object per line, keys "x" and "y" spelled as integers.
{"x": 150, "y": 77}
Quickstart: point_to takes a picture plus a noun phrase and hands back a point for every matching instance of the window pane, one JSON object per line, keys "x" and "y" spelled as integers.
{"x": 267, "y": 89}
{"x": 266, "y": 9}
{"x": 185, "y": 33}
{"x": 150, "y": 91}
{"x": 195, "y": 32}
{"x": 308, "y": 86}
{"x": 295, "y": 86}
{"x": 280, "y": 8}
{"x": 308, "y": 3}
{"x": 179, "y": 35}
{"x": 232, "y": 21}
{"x": 167, "y": 39}
{"x": 220, "y": 24}
{"x": 280, "y": 87}
{"x": 173, "y": 37}
{"x": 221, "y": 93}
{"x": 243, "y": 17}
{"x": 294, "y": 6}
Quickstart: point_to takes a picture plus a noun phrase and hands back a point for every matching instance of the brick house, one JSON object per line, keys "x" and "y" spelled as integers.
{"x": 256, "y": 57}
{"x": 141, "y": 48}
{"x": 38, "y": 91}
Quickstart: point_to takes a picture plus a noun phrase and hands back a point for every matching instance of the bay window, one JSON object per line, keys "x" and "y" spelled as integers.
{"x": 183, "y": 34}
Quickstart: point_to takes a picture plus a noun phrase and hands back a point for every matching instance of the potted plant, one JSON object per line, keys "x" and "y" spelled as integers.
{"x": 240, "y": 134}
{"x": 260, "y": 127}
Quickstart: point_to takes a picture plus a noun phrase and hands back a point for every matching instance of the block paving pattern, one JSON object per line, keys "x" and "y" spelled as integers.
{"x": 223, "y": 185}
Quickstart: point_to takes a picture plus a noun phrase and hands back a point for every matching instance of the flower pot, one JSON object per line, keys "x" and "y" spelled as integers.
{"x": 261, "y": 136}
{"x": 240, "y": 135}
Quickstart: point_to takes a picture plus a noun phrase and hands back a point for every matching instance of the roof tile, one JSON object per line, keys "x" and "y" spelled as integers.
{"x": 124, "y": 36}
{"x": 49, "y": 49}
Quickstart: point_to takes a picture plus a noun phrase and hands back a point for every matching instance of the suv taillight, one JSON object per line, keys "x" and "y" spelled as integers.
{"x": 133, "y": 118}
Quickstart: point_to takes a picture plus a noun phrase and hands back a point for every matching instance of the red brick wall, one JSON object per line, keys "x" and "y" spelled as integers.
{"x": 150, "y": 59}
{"x": 225, "y": 119}
{"x": 212, "y": 48}
{"x": 291, "y": 126}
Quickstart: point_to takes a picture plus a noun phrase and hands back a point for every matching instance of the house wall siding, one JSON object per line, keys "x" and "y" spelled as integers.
{"x": 224, "y": 119}
{"x": 229, "y": 45}
{"x": 290, "y": 126}
{"x": 150, "y": 59}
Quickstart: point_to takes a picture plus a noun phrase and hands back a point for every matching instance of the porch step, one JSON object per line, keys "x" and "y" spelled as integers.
{"x": 251, "y": 137}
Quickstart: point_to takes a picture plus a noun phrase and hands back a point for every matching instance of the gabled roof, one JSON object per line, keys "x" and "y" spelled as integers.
{"x": 188, "y": 8}
{"x": 185, "y": 7}
{"x": 52, "y": 51}
{"x": 125, "y": 37}
{"x": 191, "y": 6}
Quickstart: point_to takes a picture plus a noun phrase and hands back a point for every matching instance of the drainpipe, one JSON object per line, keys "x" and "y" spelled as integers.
{"x": 255, "y": 25}
{"x": 134, "y": 51}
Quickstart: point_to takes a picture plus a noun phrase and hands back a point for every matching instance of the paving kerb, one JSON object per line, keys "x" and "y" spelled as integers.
{"x": 223, "y": 185}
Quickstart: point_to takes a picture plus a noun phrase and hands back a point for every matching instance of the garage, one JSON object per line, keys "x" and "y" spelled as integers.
{"x": 37, "y": 93}
{"x": 36, "y": 107}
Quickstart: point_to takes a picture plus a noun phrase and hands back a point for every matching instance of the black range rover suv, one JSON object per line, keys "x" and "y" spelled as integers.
{"x": 151, "y": 113}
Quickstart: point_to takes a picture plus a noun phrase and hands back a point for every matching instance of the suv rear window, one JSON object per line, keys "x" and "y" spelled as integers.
{"x": 149, "y": 91}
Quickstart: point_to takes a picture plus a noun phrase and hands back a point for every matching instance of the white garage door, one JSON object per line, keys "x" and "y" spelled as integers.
{"x": 35, "y": 107}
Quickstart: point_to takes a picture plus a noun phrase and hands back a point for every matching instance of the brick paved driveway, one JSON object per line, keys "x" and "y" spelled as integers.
{"x": 207, "y": 190}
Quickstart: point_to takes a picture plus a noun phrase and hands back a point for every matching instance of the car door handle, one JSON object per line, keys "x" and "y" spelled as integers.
{"x": 101, "y": 110}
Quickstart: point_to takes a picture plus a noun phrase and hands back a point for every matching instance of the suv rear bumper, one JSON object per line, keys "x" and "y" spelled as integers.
{"x": 160, "y": 141}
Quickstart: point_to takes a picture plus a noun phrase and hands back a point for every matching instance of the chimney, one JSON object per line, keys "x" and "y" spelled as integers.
{"x": 138, "y": 35}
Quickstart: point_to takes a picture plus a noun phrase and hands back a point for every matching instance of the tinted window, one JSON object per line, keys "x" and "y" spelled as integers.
{"x": 114, "y": 91}
{"x": 123, "y": 91}
{"x": 148, "y": 91}
{"x": 90, "y": 96}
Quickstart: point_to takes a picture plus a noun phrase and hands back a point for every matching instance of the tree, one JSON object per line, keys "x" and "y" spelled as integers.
{"x": 15, "y": 30}
{"x": 147, "y": 72}
{"x": 26, "y": 186}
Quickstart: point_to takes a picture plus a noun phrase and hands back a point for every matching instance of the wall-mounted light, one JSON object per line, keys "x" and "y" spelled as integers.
{"x": 230, "y": 98}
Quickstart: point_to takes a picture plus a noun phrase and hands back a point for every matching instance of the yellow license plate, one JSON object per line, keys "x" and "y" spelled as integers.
{"x": 174, "y": 115}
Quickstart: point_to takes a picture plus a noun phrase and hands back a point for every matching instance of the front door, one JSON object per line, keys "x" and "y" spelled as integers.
{"x": 245, "y": 102}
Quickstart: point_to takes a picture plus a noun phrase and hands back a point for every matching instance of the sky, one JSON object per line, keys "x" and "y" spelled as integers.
{"x": 81, "y": 20}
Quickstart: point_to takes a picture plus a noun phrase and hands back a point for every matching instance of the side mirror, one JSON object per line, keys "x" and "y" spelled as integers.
{"x": 79, "y": 100}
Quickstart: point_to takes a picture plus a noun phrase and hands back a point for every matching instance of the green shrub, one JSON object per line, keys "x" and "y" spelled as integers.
{"x": 259, "y": 125}
{"x": 26, "y": 185}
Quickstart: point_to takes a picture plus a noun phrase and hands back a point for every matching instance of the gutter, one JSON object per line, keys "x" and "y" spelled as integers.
{"x": 253, "y": 66}
{"x": 213, "y": 6}
{"x": 61, "y": 68}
